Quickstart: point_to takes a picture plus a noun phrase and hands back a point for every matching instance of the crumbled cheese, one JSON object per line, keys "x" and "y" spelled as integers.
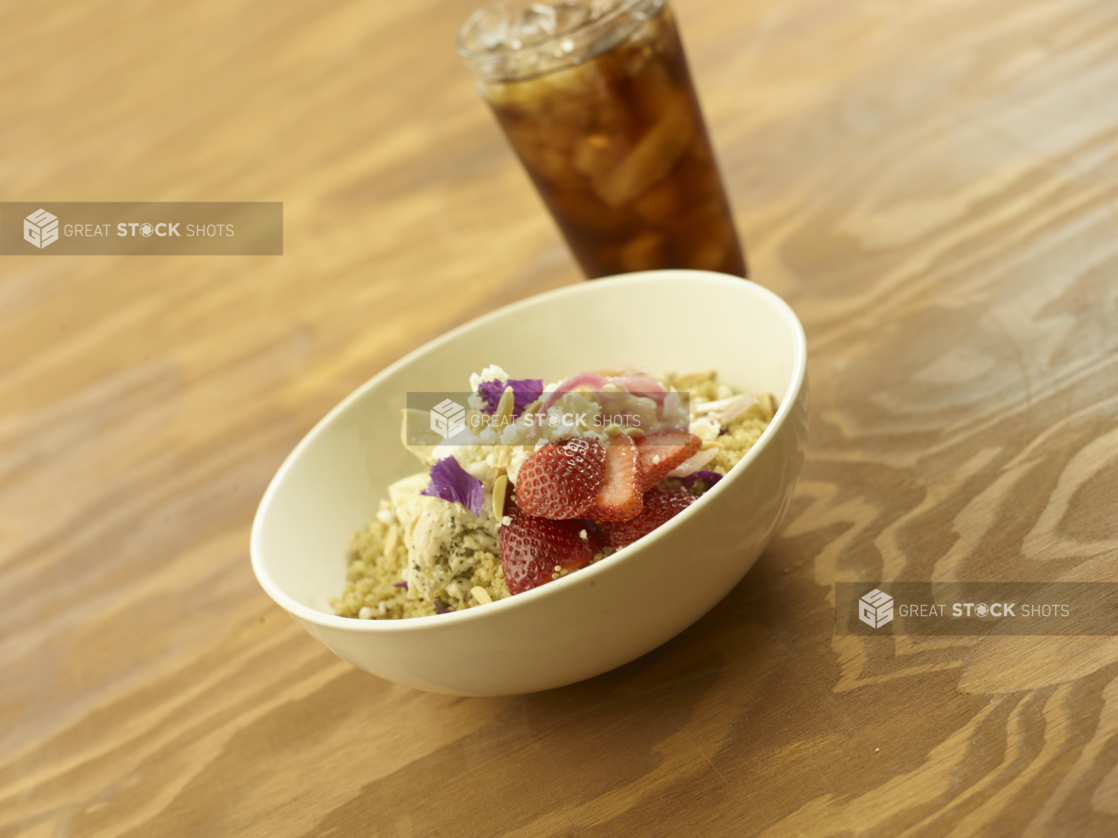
{"x": 365, "y": 613}
{"x": 490, "y": 373}
{"x": 583, "y": 535}
{"x": 506, "y": 520}
{"x": 706, "y": 429}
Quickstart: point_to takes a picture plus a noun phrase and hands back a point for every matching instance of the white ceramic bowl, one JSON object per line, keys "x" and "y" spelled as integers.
{"x": 602, "y": 616}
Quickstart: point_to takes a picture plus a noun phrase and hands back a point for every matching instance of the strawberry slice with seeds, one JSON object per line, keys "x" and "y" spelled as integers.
{"x": 535, "y": 551}
{"x": 660, "y": 506}
{"x": 620, "y": 496}
{"x": 561, "y": 479}
{"x": 663, "y": 451}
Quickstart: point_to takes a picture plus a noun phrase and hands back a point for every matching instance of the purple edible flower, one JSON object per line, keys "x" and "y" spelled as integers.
{"x": 709, "y": 478}
{"x": 441, "y": 607}
{"x": 451, "y": 482}
{"x": 524, "y": 392}
{"x": 403, "y": 585}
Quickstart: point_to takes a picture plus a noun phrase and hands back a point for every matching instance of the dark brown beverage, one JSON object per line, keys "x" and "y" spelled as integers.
{"x": 616, "y": 143}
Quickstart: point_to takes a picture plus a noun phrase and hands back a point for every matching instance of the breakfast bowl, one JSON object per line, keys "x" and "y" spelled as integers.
{"x": 601, "y": 616}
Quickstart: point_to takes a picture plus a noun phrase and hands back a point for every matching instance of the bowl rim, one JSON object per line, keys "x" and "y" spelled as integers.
{"x": 585, "y": 575}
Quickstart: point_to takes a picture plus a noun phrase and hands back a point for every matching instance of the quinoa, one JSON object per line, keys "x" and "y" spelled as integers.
{"x": 743, "y": 434}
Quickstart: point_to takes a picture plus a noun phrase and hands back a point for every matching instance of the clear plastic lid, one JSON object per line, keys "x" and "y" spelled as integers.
{"x": 514, "y": 40}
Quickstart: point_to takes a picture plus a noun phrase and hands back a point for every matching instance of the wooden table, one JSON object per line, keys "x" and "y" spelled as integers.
{"x": 932, "y": 185}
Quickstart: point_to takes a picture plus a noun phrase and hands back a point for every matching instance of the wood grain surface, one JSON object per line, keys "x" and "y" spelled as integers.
{"x": 931, "y": 184}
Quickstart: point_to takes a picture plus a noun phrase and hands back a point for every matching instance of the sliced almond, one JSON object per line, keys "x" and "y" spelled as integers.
{"x": 631, "y": 431}
{"x": 504, "y": 406}
{"x": 693, "y": 379}
{"x": 500, "y": 487}
{"x": 769, "y": 403}
{"x": 481, "y": 595}
{"x": 738, "y": 408}
{"x": 623, "y": 369}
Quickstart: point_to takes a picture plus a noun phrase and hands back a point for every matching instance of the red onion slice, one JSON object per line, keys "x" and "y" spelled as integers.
{"x": 736, "y": 409}
{"x": 643, "y": 385}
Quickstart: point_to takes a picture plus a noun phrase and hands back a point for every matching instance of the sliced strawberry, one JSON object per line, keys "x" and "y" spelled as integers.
{"x": 661, "y": 452}
{"x": 619, "y": 498}
{"x": 660, "y": 505}
{"x": 561, "y": 479}
{"x": 533, "y": 548}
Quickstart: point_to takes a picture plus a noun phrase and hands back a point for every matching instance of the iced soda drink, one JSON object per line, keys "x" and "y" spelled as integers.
{"x": 597, "y": 101}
